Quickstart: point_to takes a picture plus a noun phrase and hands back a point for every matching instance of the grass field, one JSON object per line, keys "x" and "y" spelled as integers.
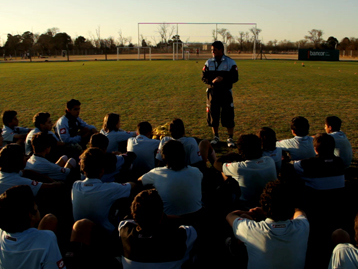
{"x": 269, "y": 93}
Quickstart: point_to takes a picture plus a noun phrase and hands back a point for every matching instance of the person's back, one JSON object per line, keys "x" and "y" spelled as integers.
{"x": 268, "y": 144}
{"x": 280, "y": 240}
{"x": 178, "y": 185}
{"x": 91, "y": 198}
{"x": 343, "y": 147}
{"x": 301, "y": 146}
{"x": 177, "y": 130}
{"x": 148, "y": 241}
{"x": 23, "y": 246}
{"x": 253, "y": 172}
{"x": 144, "y": 147}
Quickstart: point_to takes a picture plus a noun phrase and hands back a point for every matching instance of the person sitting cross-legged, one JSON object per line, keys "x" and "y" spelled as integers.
{"x": 41, "y": 144}
{"x": 11, "y": 132}
{"x": 301, "y": 146}
{"x": 275, "y": 235}
{"x": 91, "y": 198}
{"x": 178, "y": 184}
{"x": 149, "y": 241}
{"x": 251, "y": 170}
{"x": 22, "y": 245}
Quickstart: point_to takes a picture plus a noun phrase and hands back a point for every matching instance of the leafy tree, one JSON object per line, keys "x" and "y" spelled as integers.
{"x": 345, "y": 43}
{"x": 79, "y": 41}
{"x": 62, "y": 41}
{"x": 331, "y": 43}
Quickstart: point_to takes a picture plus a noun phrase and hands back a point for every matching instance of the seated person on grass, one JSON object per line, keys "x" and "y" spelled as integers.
{"x": 268, "y": 144}
{"x": 192, "y": 152}
{"x": 345, "y": 254}
{"x": 116, "y": 136}
{"x": 301, "y": 146}
{"x": 276, "y": 234}
{"x": 178, "y": 184}
{"x": 11, "y": 132}
{"x": 148, "y": 241}
{"x": 251, "y": 170}
{"x": 343, "y": 147}
{"x": 91, "y": 198}
{"x": 144, "y": 147}
{"x": 41, "y": 144}
{"x": 43, "y": 123}
{"x": 71, "y": 129}
{"x": 12, "y": 161}
{"x": 22, "y": 245}
{"x": 116, "y": 166}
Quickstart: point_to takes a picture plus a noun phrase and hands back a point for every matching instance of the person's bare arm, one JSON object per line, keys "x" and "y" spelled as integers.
{"x": 231, "y": 217}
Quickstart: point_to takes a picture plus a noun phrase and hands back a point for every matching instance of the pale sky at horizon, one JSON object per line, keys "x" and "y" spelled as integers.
{"x": 280, "y": 19}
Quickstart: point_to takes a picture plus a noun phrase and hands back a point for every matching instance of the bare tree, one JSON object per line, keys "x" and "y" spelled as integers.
{"x": 255, "y": 32}
{"x": 98, "y": 42}
{"x": 165, "y": 32}
{"x": 315, "y": 36}
{"x": 52, "y": 31}
{"x": 214, "y": 35}
{"x": 241, "y": 40}
{"x": 121, "y": 39}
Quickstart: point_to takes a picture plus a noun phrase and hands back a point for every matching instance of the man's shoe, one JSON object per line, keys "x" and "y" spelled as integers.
{"x": 230, "y": 143}
{"x": 215, "y": 140}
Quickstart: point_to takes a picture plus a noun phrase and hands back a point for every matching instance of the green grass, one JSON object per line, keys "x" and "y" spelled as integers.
{"x": 269, "y": 93}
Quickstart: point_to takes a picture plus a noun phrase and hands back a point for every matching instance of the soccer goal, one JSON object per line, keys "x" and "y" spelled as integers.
{"x": 172, "y": 40}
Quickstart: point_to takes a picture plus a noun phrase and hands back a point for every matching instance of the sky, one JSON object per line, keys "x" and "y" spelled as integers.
{"x": 278, "y": 19}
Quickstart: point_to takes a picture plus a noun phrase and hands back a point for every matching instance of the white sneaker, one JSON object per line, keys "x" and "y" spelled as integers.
{"x": 230, "y": 143}
{"x": 215, "y": 140}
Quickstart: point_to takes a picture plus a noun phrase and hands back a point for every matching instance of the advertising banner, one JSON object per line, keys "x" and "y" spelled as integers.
{"x": 318, "y": 55}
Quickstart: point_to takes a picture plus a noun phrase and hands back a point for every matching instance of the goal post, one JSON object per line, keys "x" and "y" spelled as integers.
{"x": 215, "y": 32}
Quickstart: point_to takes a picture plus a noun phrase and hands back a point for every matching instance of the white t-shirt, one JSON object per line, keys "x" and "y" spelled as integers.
{"x": 8, "y": 180}
{"x": 8, "y": 133}
{"x": 343, "y": 147}
{"x": 276, "y": 155}
{"x": 180, "y": 190}
{"x": 47, "y": 168}
{"x": 299, "y": 147}
{"x": 252, "y": 175}
{"x": 145, "y": 149}
{"x": 30, "y": 135}
{"x": 115, "y": 137}
{"x": 31, "y": 248}
{"x": 192, "y": 152}
{"x": 344, "y": 256}
{"x": 270, "y": 244}
{"x": 92, "y": 199}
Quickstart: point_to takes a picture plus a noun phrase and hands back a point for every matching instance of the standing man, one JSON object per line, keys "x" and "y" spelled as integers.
{"x": 219, "y": 73}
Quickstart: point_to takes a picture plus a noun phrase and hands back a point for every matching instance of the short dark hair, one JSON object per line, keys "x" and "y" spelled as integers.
{"x": 176, "y": 128}
{"x": 72, "y": 103}
{"x": 41, "y": 141}
{"x": 144, "y": 127}
{"x": 300, "y": 126}
{"x": 173, "y": 154}
{"x": 99, "y": 140}
{"x": 268, "y": 138}
{"x": 218, "y": 45}
{"x": 334, "y": 122}
{"x": 147, "y": 210}
{"x": 277, "y": 200}
{"x": 40, "y": 118}
{"x": 7, "y": 116}
{"x": 15, "y": 205}
{"x": 92, "y": 162}
{"x": 110, "y": 122}
{"x": 324, "y": 144}
{"x": 12, "y": 158}
{"x": 249, "y": 146}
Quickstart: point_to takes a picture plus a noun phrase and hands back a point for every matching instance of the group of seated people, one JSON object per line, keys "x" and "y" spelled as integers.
{"x": 78, "y": 198}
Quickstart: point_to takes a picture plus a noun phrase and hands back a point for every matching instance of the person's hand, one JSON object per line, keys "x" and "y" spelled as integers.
{"x": 257, "y": 213}
{"x": 217, "y": 79}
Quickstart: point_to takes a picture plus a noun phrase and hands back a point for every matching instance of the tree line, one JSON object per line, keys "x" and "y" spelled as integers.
{"x": 52, "y": 41}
